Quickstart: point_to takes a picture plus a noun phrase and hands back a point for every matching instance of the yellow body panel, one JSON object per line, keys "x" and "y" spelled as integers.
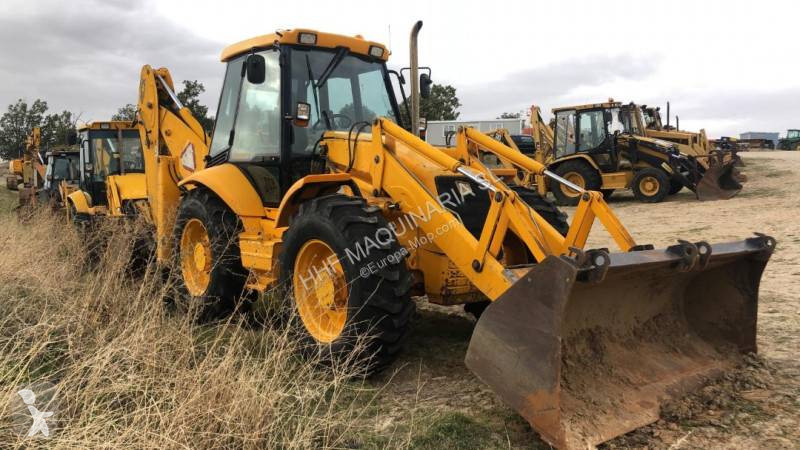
{"x": 80, "y": 200}
{"x": 616, "y": 180}
{"x": 230, "y": 185}
{"x": 356, "y": 44}
{"x": 121, "y": 188}
{"x": 15, "y": 166}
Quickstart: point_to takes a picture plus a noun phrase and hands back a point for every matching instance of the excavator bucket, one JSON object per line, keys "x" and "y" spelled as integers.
{"x": 585, "y": 355}
{"x": 721, "y": 181}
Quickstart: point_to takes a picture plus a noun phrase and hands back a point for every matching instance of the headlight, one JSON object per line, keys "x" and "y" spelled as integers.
{"x": 307, "y": 38}
{"x": 375, "y": 51}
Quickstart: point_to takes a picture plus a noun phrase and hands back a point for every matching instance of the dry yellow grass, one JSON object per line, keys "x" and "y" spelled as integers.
{"x": 132, "y": 372}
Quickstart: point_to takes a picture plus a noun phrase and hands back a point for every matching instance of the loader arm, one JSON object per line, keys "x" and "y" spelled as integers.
{"x": 174, "y": 146}
{"x": 478, "y": 258}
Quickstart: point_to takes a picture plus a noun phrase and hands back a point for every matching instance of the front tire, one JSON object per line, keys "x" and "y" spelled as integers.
{"x": 675, "y": 186}
{"x": 650, "y": 185}
{"x": 347, "y": 279}
{"x": 206, "y": 249}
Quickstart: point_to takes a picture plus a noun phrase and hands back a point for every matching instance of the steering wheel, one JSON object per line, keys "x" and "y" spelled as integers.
{"x": 338, "y": 121}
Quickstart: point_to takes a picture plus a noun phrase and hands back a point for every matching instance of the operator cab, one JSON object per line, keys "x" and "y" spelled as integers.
{"x": 592, "y": 130}
{"x": 107, "y": 148}
{"x": 283, "y": 91}
{"x": 62, "y": 165}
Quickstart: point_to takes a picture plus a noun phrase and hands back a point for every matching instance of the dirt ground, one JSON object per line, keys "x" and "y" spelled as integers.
{"x": 434, "y": 400}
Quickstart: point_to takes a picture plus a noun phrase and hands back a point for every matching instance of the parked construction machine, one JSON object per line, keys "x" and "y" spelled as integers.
{"x": 30, "y": 168}
{"x": 601, "y": 146}
{"x": 62, "y": 176}
{"x": 111, "y": 173}
{"x": 315, "y": 185}
{"x": 791, "y": 141}
{"x": 689, "y": 143}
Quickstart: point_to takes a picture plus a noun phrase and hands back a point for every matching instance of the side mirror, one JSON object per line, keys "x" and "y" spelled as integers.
{"x": 302, "y": 114}
{"x": 425, "y": 83}
{"x": 72, "y": 139}
{"x": 256, "y": 68}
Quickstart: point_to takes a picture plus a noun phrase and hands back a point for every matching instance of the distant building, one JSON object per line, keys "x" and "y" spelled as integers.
{"x": 438, "y": 129}
{"x": 761, "y": 135}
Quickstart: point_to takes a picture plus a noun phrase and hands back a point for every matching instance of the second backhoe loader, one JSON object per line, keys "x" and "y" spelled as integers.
{"x": 111, "y": 173}
{"x": 313, "y": 185}
{"x": 601, "y": 146}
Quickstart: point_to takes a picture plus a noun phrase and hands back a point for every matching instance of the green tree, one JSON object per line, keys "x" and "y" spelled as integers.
{"x": 17, "y": 123}
{"x": 190, "y": 97}
{"x": 126, "y": 114}
{"x": 442, "y": 104}
{"x": 57, "y": 128}
{"x": 509, "y": 115}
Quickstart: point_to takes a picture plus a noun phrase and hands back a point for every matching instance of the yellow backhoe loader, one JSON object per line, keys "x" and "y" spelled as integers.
{"x": 601, "y": 147}
{"x": 689, "y": 143}
{"x": 30, "y": 168}
{"x": 315, "y": 185}
{"x": 14, "y": 175}
{"x": 111, "y": 173}
{"x": 62, "y": 176}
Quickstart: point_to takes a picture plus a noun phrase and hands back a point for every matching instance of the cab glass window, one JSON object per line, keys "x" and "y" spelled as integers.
{"x": 257, "y": 133}
{"x": 343, "y": 89}
{"x": 226, "y": 111}
{"x": 565, "y": 133}
{"x": 592, "y": 130}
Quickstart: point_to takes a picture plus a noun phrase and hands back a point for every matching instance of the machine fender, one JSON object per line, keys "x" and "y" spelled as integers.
{"x": 81, "y": 202}
{"x": 230, "y": 185}
{"x": 308, "y": 187}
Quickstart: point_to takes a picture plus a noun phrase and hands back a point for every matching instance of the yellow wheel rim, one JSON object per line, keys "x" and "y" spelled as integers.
{"x": 320, "y": 290}
{"x": 196, "y": 257}
{"x": 649, "y": 186}
{"x": 574, "y": 178}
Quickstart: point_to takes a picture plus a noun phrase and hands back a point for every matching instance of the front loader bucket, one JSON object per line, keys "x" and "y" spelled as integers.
{"x": 720, "y": 182}
{"x": 585, "y": 361}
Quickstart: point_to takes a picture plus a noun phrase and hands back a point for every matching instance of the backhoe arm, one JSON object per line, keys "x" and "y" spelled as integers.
{"x": 174, "y": 145}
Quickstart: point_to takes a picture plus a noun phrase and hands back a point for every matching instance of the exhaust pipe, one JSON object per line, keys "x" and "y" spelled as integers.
{"x": 414, "y": 65}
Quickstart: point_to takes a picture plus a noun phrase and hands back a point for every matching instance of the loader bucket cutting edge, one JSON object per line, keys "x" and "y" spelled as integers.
{"x": 584, "y": 362}
{"x": 720, "y": 182}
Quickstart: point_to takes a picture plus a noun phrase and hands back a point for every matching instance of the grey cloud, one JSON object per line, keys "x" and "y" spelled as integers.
{"x": 548, "y": 86}
{"x": 85, "y": 56}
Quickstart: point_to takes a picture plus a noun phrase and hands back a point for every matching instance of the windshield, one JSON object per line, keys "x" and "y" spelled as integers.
{"x": 343, "y": 90}
{"x": 65, "y": 167}
{"x": 619, "y": 122}
{"x": 116, "y": 152}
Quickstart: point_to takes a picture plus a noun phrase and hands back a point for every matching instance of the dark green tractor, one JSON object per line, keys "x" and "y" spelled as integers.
{"x": 791, "y": 141}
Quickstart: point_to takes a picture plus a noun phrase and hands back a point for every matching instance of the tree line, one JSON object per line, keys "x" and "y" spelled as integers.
{"x": 22, "y": 117}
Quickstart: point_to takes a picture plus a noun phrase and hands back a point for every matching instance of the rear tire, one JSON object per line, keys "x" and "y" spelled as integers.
{"x": 578, "y": 172}
{"x": 545, "y": 208}
{"x": 351, "y": 297}
{"x": 206, "y": 249}
{"x": 650, "y": 185}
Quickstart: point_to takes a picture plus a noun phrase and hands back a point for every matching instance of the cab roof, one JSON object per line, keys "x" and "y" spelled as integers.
{"x": 589, "y": 106}
{"x": 356, "y": 44}
{"x": 107, "y": 125}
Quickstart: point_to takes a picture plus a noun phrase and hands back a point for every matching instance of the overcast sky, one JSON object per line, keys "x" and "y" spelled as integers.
{"x": 728, "y": 66}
